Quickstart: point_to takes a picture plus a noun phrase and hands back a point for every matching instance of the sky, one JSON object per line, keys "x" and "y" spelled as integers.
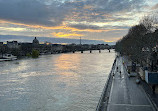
{"x": 102, "y": 20}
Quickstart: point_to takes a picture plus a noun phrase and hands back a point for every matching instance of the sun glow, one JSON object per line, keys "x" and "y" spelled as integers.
{"x": 62, "y": 27}
{"x": 61, "y": 34}
{"x": 12, "y": 29}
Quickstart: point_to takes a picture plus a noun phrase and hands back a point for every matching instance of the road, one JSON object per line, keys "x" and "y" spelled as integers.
{"x": 125, "y": 94}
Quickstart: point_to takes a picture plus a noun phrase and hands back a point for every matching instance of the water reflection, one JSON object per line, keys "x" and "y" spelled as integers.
{"x": 61, "y": 82}
{"x": 63, "y": 63}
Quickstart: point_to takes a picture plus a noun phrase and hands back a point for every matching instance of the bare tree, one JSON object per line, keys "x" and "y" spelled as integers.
{"x": 150, "y": 22}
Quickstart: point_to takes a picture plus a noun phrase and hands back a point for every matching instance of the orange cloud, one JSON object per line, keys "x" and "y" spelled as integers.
{"x": 63, "y": 27}
{"x": 88, "y": 7}
{"x": 112, "y": 39}
{"x": 12, "y": 29}
{"x": 108, "y": 41}
{"x": 61, "y": 34}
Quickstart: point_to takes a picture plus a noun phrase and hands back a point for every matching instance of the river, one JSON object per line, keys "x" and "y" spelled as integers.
{"x": 59, "y": 82}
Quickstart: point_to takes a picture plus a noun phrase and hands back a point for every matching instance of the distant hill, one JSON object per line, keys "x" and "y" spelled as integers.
{"x": 4, "y": 38}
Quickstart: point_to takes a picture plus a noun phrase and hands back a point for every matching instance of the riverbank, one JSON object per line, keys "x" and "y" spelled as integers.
{"x": 125, "y": 94}
{"x": 103, "y": 102}
{"x": 42, "y": 54}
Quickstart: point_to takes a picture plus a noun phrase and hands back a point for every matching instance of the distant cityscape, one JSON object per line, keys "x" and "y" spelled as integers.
{"x": 5, "y": 38}
{"x": 24, "y": 48}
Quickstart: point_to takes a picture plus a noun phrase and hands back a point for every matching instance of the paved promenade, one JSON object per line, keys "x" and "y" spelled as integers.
{"x": 125, "y": 94}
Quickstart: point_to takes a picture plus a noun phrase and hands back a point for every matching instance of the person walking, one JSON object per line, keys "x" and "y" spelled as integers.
{"x": 117, "y": 68}
{"x": 120, "y": 73}
{"x": 153, "y": 88}
{"x": 113, "y": 74}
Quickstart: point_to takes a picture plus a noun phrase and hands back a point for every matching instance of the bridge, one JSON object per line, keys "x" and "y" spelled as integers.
{"x": 90, "y": 50}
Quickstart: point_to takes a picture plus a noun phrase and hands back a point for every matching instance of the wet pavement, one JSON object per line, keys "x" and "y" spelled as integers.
{"x": 125, "y": 94}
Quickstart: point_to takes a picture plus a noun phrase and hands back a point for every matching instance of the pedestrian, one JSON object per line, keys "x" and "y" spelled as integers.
{"x": 114, "y": 60}
{"x": 117, "y": 68}
{"x": 120, "y": 73}
{"x": 153, "y": 88}
{"x": 128, "y": 71}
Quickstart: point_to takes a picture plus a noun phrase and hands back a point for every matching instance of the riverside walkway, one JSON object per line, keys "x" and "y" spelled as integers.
{"x": 125, "y": 94}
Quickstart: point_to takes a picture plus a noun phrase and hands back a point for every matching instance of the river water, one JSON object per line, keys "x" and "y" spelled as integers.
{"x": 60, "y": 82}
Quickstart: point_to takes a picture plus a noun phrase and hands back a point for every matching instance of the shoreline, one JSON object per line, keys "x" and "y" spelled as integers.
{"x": 103, "y": 101}
{"x": 25, "y": 57}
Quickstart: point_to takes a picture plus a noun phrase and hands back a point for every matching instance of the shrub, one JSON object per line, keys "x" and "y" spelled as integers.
{"x": 35, "y": 53}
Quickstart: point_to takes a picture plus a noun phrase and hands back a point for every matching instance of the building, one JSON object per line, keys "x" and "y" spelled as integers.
{"x": 1, "y": 49}
{"x": 1, "y": 44}
{"x": 57, "y": 48}
{"x": 35, "y": 42}
{"x": 25, "y": 48}
{"x": 12, "y": 44}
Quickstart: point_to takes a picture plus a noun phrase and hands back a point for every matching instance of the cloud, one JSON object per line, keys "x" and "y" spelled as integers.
{"x": 12, "y": 29}
{"x": 96, "y": 28}
{"x": 62, "y": 34}
{"x": 118, "y": 27}
{"x": 32, "y": 12}
{"x": 101, "y": 10}
{"x": 85, "y": 26}
{"x": 66, "y": 18}
{"x": 53, "y": 13}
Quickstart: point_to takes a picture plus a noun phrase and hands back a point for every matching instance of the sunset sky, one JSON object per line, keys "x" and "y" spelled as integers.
{"x": 105, "y": 20}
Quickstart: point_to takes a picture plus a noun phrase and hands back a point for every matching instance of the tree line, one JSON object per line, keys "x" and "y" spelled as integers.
{"x": 141, "y": 41}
